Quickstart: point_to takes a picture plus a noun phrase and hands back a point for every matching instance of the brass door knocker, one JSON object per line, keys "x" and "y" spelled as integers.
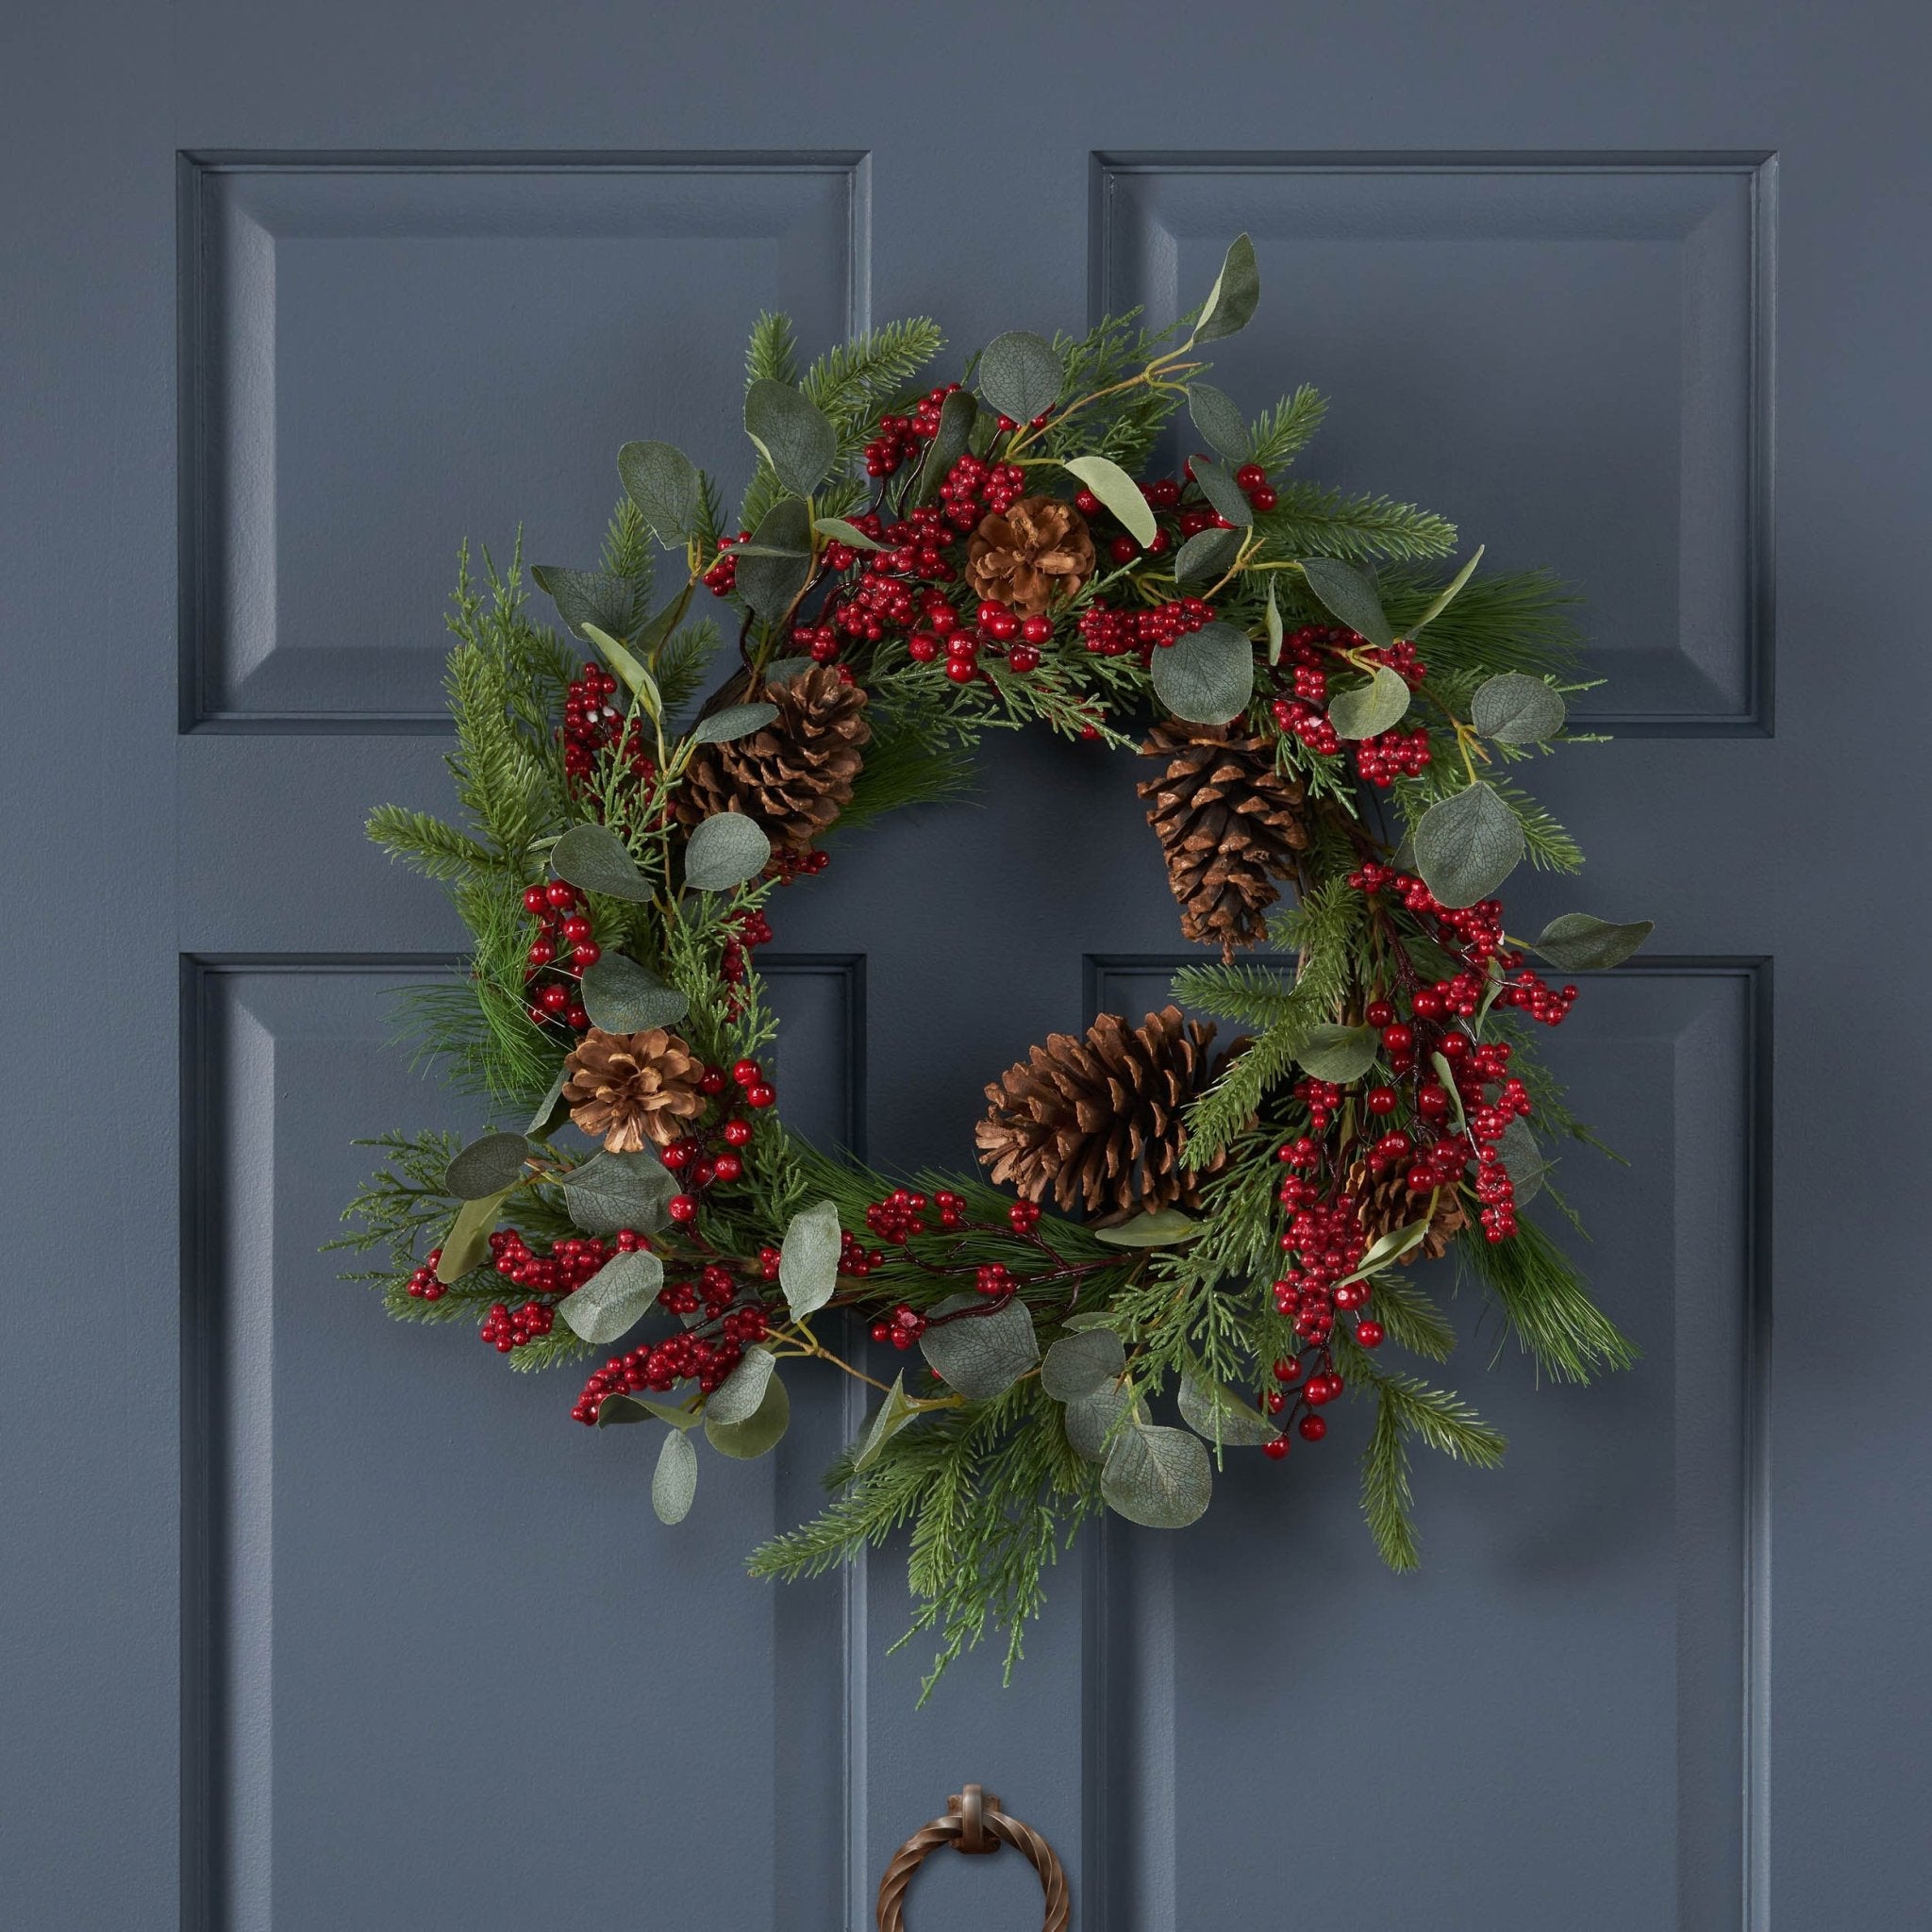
{"x": 973, "y": 1823}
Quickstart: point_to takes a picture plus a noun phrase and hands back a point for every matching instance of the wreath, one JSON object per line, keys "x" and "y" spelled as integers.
{"x": 1327, "y": 723}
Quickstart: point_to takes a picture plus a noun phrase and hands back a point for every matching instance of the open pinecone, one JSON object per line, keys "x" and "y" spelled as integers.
{"x": 794, "y": 776}
{"x": 632, "y": 1089}
{"x": 1386, "y": 1204}
{"x": 1229, "y": 824}
{"x": 1097, "y": 1118}
{"x": 1038, "y": 548}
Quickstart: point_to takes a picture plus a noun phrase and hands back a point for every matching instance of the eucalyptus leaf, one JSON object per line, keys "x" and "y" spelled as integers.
{"x": 612, "y": 1192}
{"x": 590, "y": 596}
{"x": 674, "y": 1481}
{"x": 552, "y": 1110}
{"x": 724, "y": 851}
{"x": 621, "y": 996}
{"x": 1214, "y": 1410}
{"x": 782, "y": 670}
{"x": 981, "y": 1355}
{"x": 1388, "y": 1248}
{"x": 793, "y": 433}
{"x": 1364, "y": 709}
{"x": 1118, "y": 491}
{"x": 1271, "y": 615}
{"x": 1527, "y": 1163}
{"x": 1446, "y": 1074}
{"x": 839, "y": 531}
{"x": 639, "y": 681}
{"x": 621, "y": 1408}
{"x": 733, "y": 722}
{"x": 759, "y": 1432}
{"x": 489, "y": 1166}
{"x": 616, "y": 1298}
{"x": 1236, "y": 295}
{"x": 949, "y": 443}
{"x": 1158, "y": 1477}
{"x": 779, "y": 568}
{"x": 1021, "y": 375}
{"x": 467, "y": 1243}
{"x": 1467, "y": 844}
{"x": 593, "y": 858}
{"x": 1207, "y": 677}
{"x": 809, "y": 1259}
{"x": 1346, "y": 593}
{"x": 1448, "y": 594}
{"x": 738, "y": 1396}
{"x": 1089, "y": 1419}
{"x": 887, "y": 1420}
{"x": 1076, "y": 1365}
{"x": 1579, "y": 943}
{"x": 664, "y": 484}
{"x": 1218, "y": 417}
{"x": 1164, "y": 1227}
{"x": 1224, "y": 495}
{"x": 1205, "y": 554}
{"x": 1517, "y": 709}
{"x": 1338, "y": 1054}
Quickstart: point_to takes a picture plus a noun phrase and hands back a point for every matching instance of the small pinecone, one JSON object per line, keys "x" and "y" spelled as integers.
{"x": 632, "y": 1090}
{"x": 796, "y": 775}
{"x": 1386, "y": 1204}
{"x": 1228, "y": 823}
{"x": 1099, "y": 1119}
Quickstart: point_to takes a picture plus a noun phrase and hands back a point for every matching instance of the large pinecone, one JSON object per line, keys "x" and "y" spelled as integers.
{"x": 796, "y": 775}
{"x": 1097, "y": 1118}
{"x": 1229, "y": 824}
{"x": 631, "y": 1089}
{"x": 1386, "y": 1204}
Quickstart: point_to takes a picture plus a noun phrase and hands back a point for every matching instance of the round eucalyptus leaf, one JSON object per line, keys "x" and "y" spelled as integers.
{"x": 593, "y": 858}
{"x": 1218, "y": 417}
{"x": 1119, "y": 493}
{"x": 1157, "y": 1477}
{"x": 552, "y": 1110}
{"x": 1163, "y": 1227}
{"x": 616, "y": 1298}
{"x": 759, "y": 1432}
{"x": 487, "y": 1167}
{"x": 590, "y": 597}
{"x": 1579, "y": 943}
{"x": 621, "y": 996}
{"x": 1517, "y": 709}
{"x": 674, "y": 1481}
{"x": 1089, "y": 1419}
{"x": 776, "y": 565}
{"x": 1205, "y": 554}
{"x": 724, "y": 851}
{"x": 1346, "y": 593}
{"x": 1214, "y": 1410}
{"x": 1364, "y": 709}
{"x": 1208, "y": 677}
{"x": 887, "y": 1420}
{"x": 1020, "y": 374}
{"x": 792, "y": 434}
{"x": 1528, "y": 1165}
{"x": 808, "y": 1257}
{"x": 611, "y": 1191}
{"x": 737, "y": 1397}
{"x": 1076, "y": 1365}
{"x": 734, "y": 721}
{"x": 981, "y": 1355}
{"x": 1467, "y": 844}
{"x": 949, "y": 443}
{"x": 663, "y": 482}
{"x": 1235, "y": 296}
{"x": 1224, "y": 495}
{"x": 1338, "y": 1054}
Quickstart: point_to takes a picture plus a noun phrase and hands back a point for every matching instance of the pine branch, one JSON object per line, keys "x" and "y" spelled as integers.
{"x": 773, "y": 355}
{"x": 681, "y": 661}
{"x": 629, "y": 552}
{"x": 1310, "y": 520}
{"x": 1411, "y": 1317}
{"x": 1245, "y": 991}
{"x": 1281, "y": 434}
{"x": 903, "y": 767}
{"x": 428, "y": 844}
{"x": 1512, "y": 620}
{"x": 1545, "y": 1304}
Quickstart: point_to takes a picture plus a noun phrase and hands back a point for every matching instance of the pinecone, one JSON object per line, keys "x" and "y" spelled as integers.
{"x": 1386, "y": 1204}
{"x": 632, "y": 1089}
{"x": 1228, "y": 823}
{"x": 1099, "y": 1119}
{"x": 1038, "y": 548}
{"x": 796, "y": 775}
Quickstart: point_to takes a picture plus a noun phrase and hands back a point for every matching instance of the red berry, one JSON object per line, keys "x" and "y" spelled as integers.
{"x": 1312, "y": 1427}
{"x": 1123, "y": 550}
{"x": 1370, "y": 1333}
{"x": 683, "y": 1207}
{"x": 1274, "y": 1448}
{"x": 1250, "y": 476}
{"x": 728, "y": 1167}
{"x": 736, "y": 1133}
{"x": 747, "y": 1072}
{"x": 759, "y": 1094}
{"x": 1264, "y": 498}
{"x": 561, "y": 895}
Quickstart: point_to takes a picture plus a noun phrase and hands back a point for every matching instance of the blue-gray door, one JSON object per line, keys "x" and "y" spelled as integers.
{"x": 314, "y": 1623}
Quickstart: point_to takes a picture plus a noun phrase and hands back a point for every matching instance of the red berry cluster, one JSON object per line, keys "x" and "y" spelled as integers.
{"x": 659, "y": 1368}
{"x": 1391, "y": 755}
{"x": 902, "y": 1214}
{"x": 713, "y": 1292}
{"x": 569, "y": 1264}
{"x": 592, "y": 727}
{"x": 902, "y": 1327}
{"x": 1110, "y": 632}
{"x": 423, "y": 1284}
{"x": 855, "y": 1257}
{"x": 1530, "y": 995}
{"x": 974, "y": 487}
{"x": 505, "y": 1328}
{"x": 753, "y": 929}
{"x": 565, "y": 947}
{"x": 722, "y": 578}
{"x": 901, "y": 438}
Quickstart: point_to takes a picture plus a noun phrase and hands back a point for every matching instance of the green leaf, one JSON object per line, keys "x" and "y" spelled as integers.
{"x": 674, "y": 1481}
{"x": 1346, "y": 593}
{"x": 643, "y": 686}
{"x": 1089, "y": 1419}
{"x": 949, "y": 443}
{"x": 1233, "y": 299}
{"x": 759, "y": 1432}
{"x": 888, "y": 1419}
{"x": 809, "y": 1259}
{"x": 1386, "y": 1249}
{"x": 615, "y": 1409}
{"x": 665, "y": 483}
{"x": 1206, "y": 554}
{"x": 1272, "y": 616}
{"x": 734, "y": 721}
{"x": 1208, "y": 677}
{"x": 981, "y": 1355}
{"x": 1448, "y": 594}
{"x": 1224, "y": 494}
{"x": 792, "y": 434}
{"x": 1218, "y": 419}
{"x": 738, "y": 1396}
{"x": 782, "y": 670}
{"x": 725, "y": 851}
{"x": 467, "y": 1243}
{"x": 1366, "y": 709}
{"x": 1157, "y": 1477}
{"x": 1527, "y": 1164}
{"x": 593, "y": 858}
{"x": 1214, "y": 1410}
{"x": 1019, "y": 375}
{"x": 1338, "y": 1054}
{"x": 1077, "y": 1365}
{"x": 1579, "y": 943}
{"x": 590, "y": 597}
{"x": 1517, "y": 709}
{"x": 771, "y": 579}
{"x": 492, "y": 1165}
{"x": 1446, "y": 1074}
{"x": 1467, "y": 844}
{"x": 1166, "y": 1227}
{"x": 1118, "y": 491}
{"x": 616, "y": 1298}
{"x": 621, "y": 996}
{"x": 839, "y": 531}
{"x": 552, "y": 1110}
{"x": 1086, "y": 1319}
{"x": 611, "y": 1192}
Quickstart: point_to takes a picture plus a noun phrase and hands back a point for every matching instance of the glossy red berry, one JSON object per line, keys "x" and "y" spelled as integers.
{"x": 1370, "y": 1333}
{"x": 759, "y": 1094}
{"x": 1274, "y": 1448}
{"x": 747, "y": 1071}
{"x": 683, "y": 1208}
{"x": 1311, "y": 1428}
{"x": 736, "y": 1133}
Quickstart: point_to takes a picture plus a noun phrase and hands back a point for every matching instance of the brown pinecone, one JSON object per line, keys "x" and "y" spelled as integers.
{"x": 1229, "y": 823}
{"x": 1037, "y": 549}
{"x": 1098, "y": 1118}
{"x": 796, "y": 775}
{"x": 1386, "y": 1203}
{"x": 632, "y": 1089}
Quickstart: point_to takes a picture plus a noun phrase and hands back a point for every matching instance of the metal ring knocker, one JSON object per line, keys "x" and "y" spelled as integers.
{"x": 973, "y": 1823}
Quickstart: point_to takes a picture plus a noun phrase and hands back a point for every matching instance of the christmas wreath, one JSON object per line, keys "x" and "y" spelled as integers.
{"x": 1227, "y": 1222}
